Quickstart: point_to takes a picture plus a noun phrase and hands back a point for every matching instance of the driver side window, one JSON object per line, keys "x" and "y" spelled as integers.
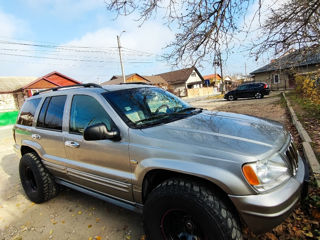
{"x": 86, "y": 111}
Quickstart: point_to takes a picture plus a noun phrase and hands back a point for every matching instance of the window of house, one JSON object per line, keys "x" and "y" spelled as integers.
{"x": 51, "y": 113}
{"x": 27, "y": 112}
{"x": 193, "y": 74}
{"x": 86, "y": 111}
{"x": 276, "y": 78}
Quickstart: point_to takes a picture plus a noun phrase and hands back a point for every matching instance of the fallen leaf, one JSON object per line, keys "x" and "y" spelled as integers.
{"x": 309, "y": 234}
{"x": 97, "y": 220}
{"x": 97, "y": 238}
{"x": 79, "y": 212}
{"x": 17, "y": 238}
{"x": 143, "y": 237}
{"x": 51, "y": 231}
{"x": 271, "y": 236}
{"x": 316, "y": 213}
{"x": 90, "y": 225}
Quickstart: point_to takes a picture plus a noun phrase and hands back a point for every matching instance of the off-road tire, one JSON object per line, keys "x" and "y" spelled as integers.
{"x": 36, "y": 180}
{"x": 210, "y": 212}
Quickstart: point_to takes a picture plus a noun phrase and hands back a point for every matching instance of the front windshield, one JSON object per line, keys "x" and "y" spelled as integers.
{"x": 147, "y": 106}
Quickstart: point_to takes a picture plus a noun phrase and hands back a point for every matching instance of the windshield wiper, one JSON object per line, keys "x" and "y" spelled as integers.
{"x": 182, "y": 111}
{"x": 156, "y": 117}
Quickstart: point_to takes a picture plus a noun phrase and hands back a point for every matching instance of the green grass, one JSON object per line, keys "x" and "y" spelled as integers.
{"x": 8, "y": 118}
{"x": 309, "y": 108}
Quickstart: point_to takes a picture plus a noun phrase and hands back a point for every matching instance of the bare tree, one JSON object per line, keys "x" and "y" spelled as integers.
{"x": 296, "y": 24}
{"x": 206, "y": 27}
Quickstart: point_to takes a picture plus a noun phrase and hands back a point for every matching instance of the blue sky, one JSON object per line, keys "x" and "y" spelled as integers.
{"x": 87, "y": 23}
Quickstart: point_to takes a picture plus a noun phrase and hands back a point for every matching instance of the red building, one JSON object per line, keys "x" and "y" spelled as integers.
{"x": 53, "y": 79}
{"x": 13, "y": 90}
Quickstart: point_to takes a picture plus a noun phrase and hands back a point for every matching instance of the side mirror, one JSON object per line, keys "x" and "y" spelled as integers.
{"x": 100, "y": 132}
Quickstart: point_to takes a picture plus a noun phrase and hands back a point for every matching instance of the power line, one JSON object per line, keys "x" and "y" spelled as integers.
{"x": 67, "y": 59}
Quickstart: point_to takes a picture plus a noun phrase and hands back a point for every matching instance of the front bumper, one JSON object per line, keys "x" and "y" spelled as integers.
{"x": 262, "y": 212}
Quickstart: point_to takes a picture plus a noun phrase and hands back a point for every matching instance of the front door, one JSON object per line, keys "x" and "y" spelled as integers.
{"x": 292, "y": 83}
{"x": 101, "y": 165}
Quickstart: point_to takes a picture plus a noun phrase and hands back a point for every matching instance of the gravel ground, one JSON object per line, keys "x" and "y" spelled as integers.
{"x": 73, "y": 215}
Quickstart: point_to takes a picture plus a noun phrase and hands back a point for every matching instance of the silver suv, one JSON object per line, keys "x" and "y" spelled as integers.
{"x": 194, "y": 174}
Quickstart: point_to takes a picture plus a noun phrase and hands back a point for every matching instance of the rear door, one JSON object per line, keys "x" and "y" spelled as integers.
{"x": 48, "y": 134}
{"x": 242, "y": 91}
{"x": 101, "y": 165}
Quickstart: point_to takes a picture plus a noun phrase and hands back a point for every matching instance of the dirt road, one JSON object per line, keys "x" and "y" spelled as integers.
{"x": 71, "y": 215}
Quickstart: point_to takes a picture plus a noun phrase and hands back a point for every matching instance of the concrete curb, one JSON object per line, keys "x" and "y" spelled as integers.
{"x": 306, "y": 140}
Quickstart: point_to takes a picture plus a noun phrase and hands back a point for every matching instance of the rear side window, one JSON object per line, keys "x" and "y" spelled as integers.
{"x": 27, "y": 112}
{"x": 42, "y": 113}
{"x": 51, "y": 113}
{"x": 86, "y": 111}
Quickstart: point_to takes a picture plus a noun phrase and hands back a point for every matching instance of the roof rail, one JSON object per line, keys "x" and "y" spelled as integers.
{"x": 142, "y": 83}
{"x": 85, "y": 85}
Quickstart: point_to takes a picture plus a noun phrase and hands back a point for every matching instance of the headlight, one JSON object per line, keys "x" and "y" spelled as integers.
{"x": 264, "y": 175}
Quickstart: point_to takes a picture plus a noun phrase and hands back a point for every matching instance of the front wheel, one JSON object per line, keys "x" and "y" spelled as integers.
{"x": 231, "y": 98}
{"x": 181, "y": 209}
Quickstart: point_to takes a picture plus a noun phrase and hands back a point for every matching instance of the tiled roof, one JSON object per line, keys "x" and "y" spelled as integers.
{"x": 118, "y": 79}
{"x": 212, "y": 76}
{"x": 174, "y": 77}
{"x": 296, "y": 58}
{"x": 178, "y": 76}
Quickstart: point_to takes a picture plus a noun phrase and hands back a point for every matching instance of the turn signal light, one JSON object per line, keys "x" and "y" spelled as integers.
{"x": 250, "y": 175}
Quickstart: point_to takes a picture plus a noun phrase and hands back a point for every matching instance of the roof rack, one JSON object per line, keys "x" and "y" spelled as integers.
{"x": 85, "y": 85}
{"x": 142, "y": 83}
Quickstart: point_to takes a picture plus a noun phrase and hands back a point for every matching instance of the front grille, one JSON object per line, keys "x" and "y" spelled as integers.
{"x": 292, "y": 156}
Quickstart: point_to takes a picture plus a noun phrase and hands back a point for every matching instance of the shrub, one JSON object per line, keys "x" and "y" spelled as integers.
{"x": 308, "y": 86}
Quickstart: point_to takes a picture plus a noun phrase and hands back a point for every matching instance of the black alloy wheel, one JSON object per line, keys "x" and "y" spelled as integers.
{"x": 231, "y": 98}
{"x": 177, "y": 224}
{"x": 258, "y": 95}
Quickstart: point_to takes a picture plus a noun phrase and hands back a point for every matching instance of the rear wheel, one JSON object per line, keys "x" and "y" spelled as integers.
{"x": 183, "y": 210}
{"x": 258, "y": 95}
{"x": 37, "y": 182}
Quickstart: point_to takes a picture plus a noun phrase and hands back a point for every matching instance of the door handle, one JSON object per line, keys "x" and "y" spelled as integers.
{"x": 71, "y": 144}
{"x": 35, "y": 136}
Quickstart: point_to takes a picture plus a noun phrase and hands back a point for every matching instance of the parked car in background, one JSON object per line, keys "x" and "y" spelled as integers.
{"x": 248, "y": 90}
{"x": 195, "y": 174}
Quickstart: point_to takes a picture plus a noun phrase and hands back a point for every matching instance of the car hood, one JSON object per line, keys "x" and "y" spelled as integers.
{"x": 220, "y": 134}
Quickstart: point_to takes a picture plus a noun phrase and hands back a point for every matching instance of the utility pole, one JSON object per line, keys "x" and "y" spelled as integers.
{"x": 122, "y": 68}
{"x": 223, "y": 83}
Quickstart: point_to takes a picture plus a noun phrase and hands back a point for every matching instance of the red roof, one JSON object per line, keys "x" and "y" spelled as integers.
{"x": 212, "y": 76}
{"x": 53, "y": 79}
